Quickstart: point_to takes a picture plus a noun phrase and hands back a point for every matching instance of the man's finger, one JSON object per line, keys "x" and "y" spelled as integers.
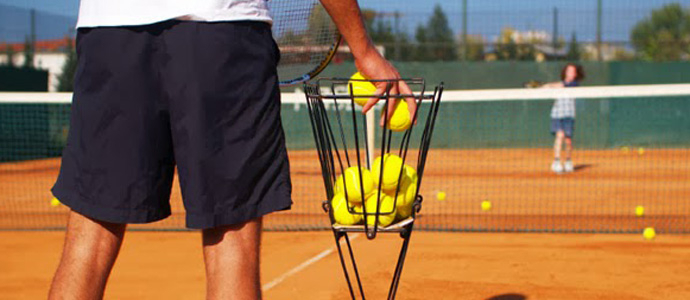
{"x": 411, "y": 103}
{"x": 391, "y": 104}
{"x": 380, "y": 90}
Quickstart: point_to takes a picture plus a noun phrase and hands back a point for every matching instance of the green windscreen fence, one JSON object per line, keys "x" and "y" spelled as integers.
{"x": 513, "y": 74}
{"x": 631, "y": 150}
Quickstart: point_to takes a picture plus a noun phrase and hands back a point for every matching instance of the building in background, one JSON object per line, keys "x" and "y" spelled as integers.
{"x": 50, "y": 55}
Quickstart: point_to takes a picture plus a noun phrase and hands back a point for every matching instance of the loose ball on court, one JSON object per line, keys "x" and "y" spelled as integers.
{"x": 649, "y": 233}
{"x": 55, "y": 202}
{"x": 640, "y": 151}
{"x": 486, "y": 205}
{"x": 639, "y": 211}
{"x": 441, "y": 196}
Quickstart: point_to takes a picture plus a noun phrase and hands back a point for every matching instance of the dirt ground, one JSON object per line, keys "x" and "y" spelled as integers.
{"x": 600, "y": 196}
{"x": 168, "y": 265}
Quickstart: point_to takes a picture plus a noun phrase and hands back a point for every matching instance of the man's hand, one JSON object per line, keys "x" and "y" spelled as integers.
{"x": 348, "y": 18}
{"x": 374, "y": 66}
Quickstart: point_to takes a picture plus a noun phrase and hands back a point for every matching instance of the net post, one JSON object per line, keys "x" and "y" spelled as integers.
{"x": 371, "y": 134}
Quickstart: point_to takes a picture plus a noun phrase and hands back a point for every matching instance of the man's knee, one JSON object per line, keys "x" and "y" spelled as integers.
{"x": 249, "y": 229}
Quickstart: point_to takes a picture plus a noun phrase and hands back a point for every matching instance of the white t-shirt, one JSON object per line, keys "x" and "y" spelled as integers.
{"x": 97, "y": 13}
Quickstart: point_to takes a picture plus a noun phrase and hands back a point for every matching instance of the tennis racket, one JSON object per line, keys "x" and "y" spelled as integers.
{"x": 532, "y": 84}
{"x": 306, "y": 36}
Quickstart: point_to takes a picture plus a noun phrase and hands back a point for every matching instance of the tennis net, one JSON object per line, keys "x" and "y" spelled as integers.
{"x": 489, "y": 167}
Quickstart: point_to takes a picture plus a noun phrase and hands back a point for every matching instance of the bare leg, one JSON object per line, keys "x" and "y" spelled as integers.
{"x": 557, "y": 144}
{"x": 568, "y": 148}
{"x": 231, "y": 254}
{"x": 89, "y": 253}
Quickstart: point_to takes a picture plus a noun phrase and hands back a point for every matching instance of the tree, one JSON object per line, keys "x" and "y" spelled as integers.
{"x": 28, "y": 53}
{"x": 574, "y": 53}
{"x": 382, "y": 32}
{"x": 422, "y": 51}
{"x": 435, "y": 40}
{"x": 474, "y": 48}
{"x": 440, "y": 37}
{"x": 665, "y": 35}
{"x": 512, "y": 46}
{"x": 69, "y": 68}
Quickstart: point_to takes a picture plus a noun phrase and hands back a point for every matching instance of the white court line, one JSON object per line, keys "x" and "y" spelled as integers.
{"x": 302, "y": 266}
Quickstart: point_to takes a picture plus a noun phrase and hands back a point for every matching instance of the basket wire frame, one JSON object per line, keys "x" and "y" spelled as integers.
{"x": 336, "y": 153}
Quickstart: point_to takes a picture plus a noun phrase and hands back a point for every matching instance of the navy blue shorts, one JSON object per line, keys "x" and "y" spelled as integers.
{"x": 567, "y": 125}
{"x": 200, "y": 96}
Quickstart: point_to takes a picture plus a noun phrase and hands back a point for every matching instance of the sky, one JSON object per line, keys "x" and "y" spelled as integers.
{"x": 486, "y": 17}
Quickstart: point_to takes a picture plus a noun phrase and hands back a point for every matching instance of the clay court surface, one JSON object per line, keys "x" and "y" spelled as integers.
{"x": 600, "y": 196}
{"x": 168, "y": 265}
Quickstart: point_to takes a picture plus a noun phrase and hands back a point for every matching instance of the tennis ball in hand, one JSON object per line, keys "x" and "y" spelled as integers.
{"x": 392, "y": 167}
{"x": 387, "y": 210}
{"x": 341, "y": 212}
{"x": 639, "y": 210}
{"x": 486, "y": 205}
{"x": 649, "y": 233}
{"x": 361, "y": 87}
{"x": 349, "y": 184}
{"x": 400, "y": 120}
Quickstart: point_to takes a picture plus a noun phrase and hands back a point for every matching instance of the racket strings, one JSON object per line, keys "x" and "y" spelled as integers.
{"x": 306, "y": 37}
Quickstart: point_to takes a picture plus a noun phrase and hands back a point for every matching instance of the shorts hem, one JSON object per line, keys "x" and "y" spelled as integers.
{"x": 106, "y": 214}
{"x": 235, "y": 216}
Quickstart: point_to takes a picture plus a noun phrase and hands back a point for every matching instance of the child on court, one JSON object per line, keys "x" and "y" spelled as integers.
{"x": 563, "y": 118}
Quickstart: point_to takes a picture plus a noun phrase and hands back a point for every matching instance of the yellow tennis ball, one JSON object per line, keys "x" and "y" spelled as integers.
{"x": 640, "y": 151}
{"x": 349, "y": 184}
{"x": 339, "y": 184}
{"x": 486, "y": 205}
{"x": 361, "y": 87}
{"x": 392, "y": 167}
{"x": 639, "y": 210}
{"x": 400, "y": 120}
{"x": 409, "y": 175}
{"x": 404, "y": 212}
{"x": 405, "y": 196}
{"x": 387, "y": 211}
{"x": 411, "y": 193}
{"x": 341, "y": 212}
{"x": 649, "y": 233}
{"x": 54, "y": 202}
{"x": 441, "y": 196}
{"x": 405, "y": 200}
